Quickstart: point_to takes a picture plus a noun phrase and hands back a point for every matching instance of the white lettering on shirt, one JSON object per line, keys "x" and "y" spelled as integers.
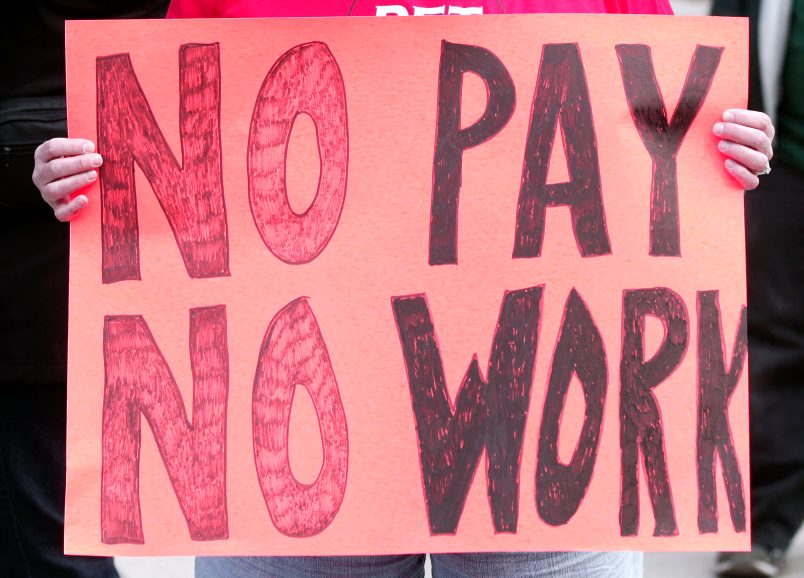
{"x": 399, "y": 10}
{"x": 394, "y": 9}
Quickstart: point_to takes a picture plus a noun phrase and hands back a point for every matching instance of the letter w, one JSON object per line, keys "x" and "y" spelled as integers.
{"x": 490, "y": 413}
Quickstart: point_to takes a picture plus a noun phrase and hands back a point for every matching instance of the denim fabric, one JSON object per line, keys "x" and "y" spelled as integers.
{"x": 32, "y": 466}
{"x": 495, "y": 565}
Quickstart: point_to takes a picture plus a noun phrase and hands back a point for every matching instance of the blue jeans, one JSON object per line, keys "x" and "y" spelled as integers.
{"x": 496, "y": 565}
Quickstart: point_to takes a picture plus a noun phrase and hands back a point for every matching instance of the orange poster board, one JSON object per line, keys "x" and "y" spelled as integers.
{"x": 353, "y": 286}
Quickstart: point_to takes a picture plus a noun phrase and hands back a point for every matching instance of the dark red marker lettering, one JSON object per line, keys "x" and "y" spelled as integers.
{"x": 486, "y": 413}
{"x": 663, "y": 139}
{"x": 191, "y": 194}
{"x": 452, "y": 140}
{"x": 305, "y": 80}
{"x": 138, "y": 381}
{"x": 640, "y": 418}
{"x": 579, "y": 351}
{"x": 294, "y": 353}
{"x": 716, "y": 385}
{"x": 561, "y": 92}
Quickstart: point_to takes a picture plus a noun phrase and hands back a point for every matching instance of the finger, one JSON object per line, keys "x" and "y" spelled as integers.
{"x": 744, "y": 135}
{"x": 742, "y": 175}
{"x": 62, "y": 147}
{"x": 46, "y": 173}
{"x": 753, "y": 160}
{"x": 61, "y": 189}
{"x": 751, "y": 118}
{"x": 67, "y": 211}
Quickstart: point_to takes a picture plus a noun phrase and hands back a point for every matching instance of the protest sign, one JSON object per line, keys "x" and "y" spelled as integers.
{"x": 353, "y": 286}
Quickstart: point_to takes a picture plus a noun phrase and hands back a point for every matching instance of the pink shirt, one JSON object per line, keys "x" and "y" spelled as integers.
{"x": 268, "y": 8}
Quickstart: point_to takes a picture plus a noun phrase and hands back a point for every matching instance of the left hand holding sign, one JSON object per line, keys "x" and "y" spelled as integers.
{"x": 745, "y": 140}
{"x": 63, "y": 166}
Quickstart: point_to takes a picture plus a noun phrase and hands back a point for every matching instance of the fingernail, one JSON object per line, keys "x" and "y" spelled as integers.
{"x": 81, "y": 201}
{"x": 718, "y": 128}
{"x": 728, "y": 116}
{"x": 97, "y": 160}
{"x": 730, "y": 164}
{"x": 89, "y": 147}
{"x": 92, "y": 175}
{"x": 723, "y": 146}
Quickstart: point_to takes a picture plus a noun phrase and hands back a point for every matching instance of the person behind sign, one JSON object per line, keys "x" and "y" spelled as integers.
{"x": 33, "y": 291}
{"x": 773, "y": 217}
{"x": 63, "y": 167}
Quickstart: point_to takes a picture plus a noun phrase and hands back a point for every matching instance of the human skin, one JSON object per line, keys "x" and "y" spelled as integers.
{"x": 63, "y": 167}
